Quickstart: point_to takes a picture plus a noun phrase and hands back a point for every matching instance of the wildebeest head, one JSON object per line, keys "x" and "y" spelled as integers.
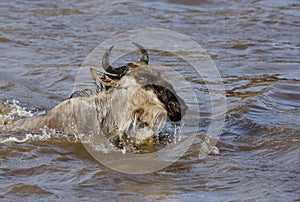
{"x": 140, "y": 91}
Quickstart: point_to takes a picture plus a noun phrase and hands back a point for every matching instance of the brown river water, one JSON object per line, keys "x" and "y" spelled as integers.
{"x": 255, "y": 45}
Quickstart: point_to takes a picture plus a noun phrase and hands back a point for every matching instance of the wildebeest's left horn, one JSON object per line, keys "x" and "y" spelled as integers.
{"x": 144, "y": 53}
{"x": 108, "y": 68}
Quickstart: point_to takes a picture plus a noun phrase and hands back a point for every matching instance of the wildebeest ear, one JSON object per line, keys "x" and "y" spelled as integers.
{"x": 106, "y": 81}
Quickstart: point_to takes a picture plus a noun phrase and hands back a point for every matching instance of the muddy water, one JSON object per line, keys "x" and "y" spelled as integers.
{"x": 254, "y": 44}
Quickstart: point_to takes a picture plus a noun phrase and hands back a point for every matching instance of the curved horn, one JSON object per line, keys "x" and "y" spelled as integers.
{"x": 106, "y": 66}
{"x": 144, "y": 53}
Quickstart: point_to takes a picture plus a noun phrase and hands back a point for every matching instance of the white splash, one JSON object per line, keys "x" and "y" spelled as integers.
{"x": 178, "y": 131}
{"x": 108, "y": 148}
{"x": 16, "y": 112}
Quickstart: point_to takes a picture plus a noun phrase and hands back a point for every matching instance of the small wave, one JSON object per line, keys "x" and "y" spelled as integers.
{"x": 46, "y": 135}
{"x": 15, "y": 140}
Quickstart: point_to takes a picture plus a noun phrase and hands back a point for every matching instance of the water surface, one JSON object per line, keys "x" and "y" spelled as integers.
{"x": 256, "y": 47}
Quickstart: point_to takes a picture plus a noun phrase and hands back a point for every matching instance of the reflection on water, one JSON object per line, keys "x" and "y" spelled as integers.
{"x": 256, "y": 47}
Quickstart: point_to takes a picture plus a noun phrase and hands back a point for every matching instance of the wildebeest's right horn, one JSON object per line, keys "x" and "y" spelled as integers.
{"x": 144, "y": 53}
{"x": 110, "y": 69}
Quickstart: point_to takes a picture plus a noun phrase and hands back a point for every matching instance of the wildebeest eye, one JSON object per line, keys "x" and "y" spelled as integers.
{"x": 174, "y": 107}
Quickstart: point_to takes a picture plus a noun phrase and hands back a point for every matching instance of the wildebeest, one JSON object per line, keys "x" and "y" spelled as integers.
{"x": 130, "y": 101}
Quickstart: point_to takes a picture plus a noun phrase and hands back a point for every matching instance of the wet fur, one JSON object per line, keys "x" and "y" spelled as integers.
{"x": 130, "y": 105}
